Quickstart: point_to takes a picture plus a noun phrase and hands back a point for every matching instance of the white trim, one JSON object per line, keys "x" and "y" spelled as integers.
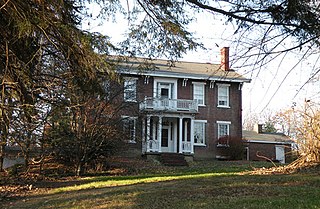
{"x": 201, "y": 121}
{"x": 184, "y": 82}
{"x": 131, "y": 117}
{"x": 186, "y": 75}
{"x": 199, "y": 83}
{"x": 212, "y": 84}
{"x": 223, "y": 122}
{"x": 146, "y": 79}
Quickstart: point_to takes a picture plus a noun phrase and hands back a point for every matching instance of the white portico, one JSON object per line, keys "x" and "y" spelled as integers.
{"x": 168, "y": 133}
{"x": 168, "y": 124}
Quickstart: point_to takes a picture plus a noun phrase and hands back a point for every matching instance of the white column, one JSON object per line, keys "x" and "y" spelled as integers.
{"x": 180, "y": 135}
{"x": 148, "y": 133}
{"x": 154, "y": 129}
{"x": 159, "y": 132}
{"x": 175, "y": 136}
{"x": 185, "y": 131}
{"x": 143, "y": 130}
{"x": 192, "y": 135}
{"x": 143, "y": 135}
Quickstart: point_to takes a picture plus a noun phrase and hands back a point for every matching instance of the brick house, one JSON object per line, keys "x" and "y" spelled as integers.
{"x": 183, "y": 108}
{"x": 262, "y": 146}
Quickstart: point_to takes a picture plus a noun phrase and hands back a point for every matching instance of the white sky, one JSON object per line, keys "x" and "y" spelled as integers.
{"x": 262, "y": 94}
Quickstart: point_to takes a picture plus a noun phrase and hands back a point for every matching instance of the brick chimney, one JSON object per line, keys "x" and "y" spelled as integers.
{"x": 258, "y": 128}
{"x": 225, "y": 58}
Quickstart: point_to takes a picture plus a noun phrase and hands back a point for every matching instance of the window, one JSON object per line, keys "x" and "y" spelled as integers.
{"x": 198, "y": 93}
{"x": 199, "y": 132}
{"x": 130, "y": 89}
{"x": 107, "y": 89}
{"x": 223, "y": 133}
{"x": 165, "y": 88}
{"x": 129, "y": 128}
{"x": 223, "y": 95}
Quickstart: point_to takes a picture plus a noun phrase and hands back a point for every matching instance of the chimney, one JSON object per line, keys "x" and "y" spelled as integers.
{"x": 224, "y": 58}
{"x": 258, "y": 128}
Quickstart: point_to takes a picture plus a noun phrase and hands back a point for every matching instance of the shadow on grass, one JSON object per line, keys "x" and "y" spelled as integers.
{"x": 206, "y": 190}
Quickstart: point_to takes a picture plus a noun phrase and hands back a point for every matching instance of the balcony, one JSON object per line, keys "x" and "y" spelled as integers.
{"x": 169, "y": 105}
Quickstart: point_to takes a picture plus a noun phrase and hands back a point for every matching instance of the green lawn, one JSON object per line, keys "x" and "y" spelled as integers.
{"x": 209, "y": 185}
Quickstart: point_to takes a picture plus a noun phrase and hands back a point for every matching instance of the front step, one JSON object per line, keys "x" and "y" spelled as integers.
{"x": 173, "y": 159}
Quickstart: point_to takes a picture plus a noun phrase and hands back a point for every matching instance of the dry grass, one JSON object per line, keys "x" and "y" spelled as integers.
{"x": 213, "y": 184}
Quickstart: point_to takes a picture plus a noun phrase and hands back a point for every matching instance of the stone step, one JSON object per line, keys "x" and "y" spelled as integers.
{"x": 173, "y": 159}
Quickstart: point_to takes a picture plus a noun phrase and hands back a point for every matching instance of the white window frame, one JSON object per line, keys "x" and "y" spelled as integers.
{"x": 199, "y": 96}
{"x": 132, "y": 133}
{"x": 107, "y": 89}
{"x": 130, "y": 88}
{"x": 224, "y": 98}
{"x": 203, "y": 123}
{"x": 227, "y": 124}
{"x": 172, "y": 82}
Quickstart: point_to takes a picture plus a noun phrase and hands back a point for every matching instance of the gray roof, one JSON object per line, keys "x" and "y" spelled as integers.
{"x": 253, "y": 136}
{"x": 190, "y": 70}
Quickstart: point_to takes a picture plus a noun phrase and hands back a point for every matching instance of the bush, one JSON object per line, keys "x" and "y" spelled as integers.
{"x": 233, "y": 148}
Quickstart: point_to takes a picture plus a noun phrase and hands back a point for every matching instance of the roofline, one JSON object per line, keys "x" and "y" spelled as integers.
{"x": 186, "y": 75}
{"x": 268, "y": 142}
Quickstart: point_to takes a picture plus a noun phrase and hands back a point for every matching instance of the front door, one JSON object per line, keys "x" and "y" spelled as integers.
{"x": 166, "y": 139}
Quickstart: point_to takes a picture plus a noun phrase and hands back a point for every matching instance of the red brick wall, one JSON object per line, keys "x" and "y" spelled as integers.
{"x": 209, "y": 112}
{"x": 212, "y": 114}
{"x": 261, "y": 149}
{"x": 266, "y": 150}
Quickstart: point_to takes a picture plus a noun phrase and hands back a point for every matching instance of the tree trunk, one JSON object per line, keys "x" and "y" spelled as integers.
{"x": 1, "y": 157}
{"x": 80, "y": 169}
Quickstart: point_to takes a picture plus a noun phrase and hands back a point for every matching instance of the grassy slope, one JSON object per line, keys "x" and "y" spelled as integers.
{"x": 202, "y": 185}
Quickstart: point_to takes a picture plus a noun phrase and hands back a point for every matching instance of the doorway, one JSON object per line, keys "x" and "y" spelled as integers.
{"x": 166, "y": 139}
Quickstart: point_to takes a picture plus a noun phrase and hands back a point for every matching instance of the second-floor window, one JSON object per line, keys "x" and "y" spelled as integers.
{"x": 130, "y": 89}
{"x": 223, "y": 95}
{"x": 198, "y": 93}
{"x": 107, "y": 89}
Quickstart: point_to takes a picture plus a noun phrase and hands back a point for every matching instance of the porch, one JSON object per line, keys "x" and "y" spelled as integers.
{"x": 168, "y": 134}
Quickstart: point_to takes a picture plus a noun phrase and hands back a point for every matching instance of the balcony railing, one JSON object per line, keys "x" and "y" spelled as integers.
{"x": 172, "y": 105}
{"x": 186, "y": 147}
